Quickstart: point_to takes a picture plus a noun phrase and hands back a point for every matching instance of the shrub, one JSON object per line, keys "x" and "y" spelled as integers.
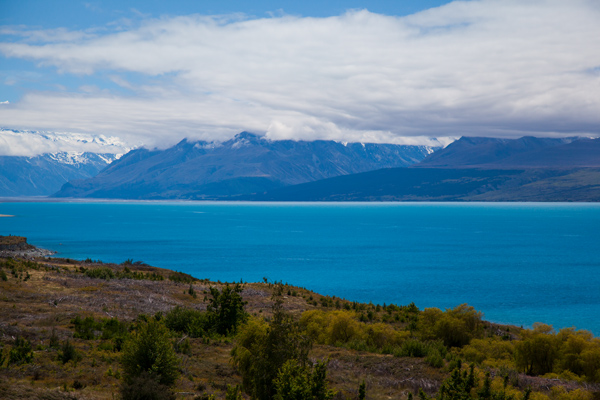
{"x": 189, "y": 321}
{"x": 68, "y": 353}
{"x": 149, "y": 351}
{"x": 145, "y": 387}
{"x": 22, "y": 352}
{"x": 300, "y": 382}
{"x": 226, "y": 309}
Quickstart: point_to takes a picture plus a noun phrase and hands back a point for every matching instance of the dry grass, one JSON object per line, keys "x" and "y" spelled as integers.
{"x": 56, "y": 291}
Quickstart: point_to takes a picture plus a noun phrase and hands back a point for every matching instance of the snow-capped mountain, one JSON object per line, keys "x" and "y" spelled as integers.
{"x": 34, "y": 163}
{"x": 247, "y": 163}
{"x": 33, "y": 143}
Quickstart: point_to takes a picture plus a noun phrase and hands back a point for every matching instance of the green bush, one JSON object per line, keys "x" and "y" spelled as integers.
{"x": 21, "y": 352}
{"x": 189, "y": 321}
{"x": 145, "y": 387}
{"x": 150, "y": 351}
{"x": 68, "y": 353}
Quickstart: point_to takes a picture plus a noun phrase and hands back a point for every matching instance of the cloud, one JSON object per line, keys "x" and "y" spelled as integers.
{"x": 487, "y": 68}
{"x": 30, "y": 143}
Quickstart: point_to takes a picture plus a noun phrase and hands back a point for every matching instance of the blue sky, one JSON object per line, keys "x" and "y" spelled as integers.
{"x": 154, "y": 72}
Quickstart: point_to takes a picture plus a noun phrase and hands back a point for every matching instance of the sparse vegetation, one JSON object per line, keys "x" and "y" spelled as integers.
{"x": 135, "y": 331}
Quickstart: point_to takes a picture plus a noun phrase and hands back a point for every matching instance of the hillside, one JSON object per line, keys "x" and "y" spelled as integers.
{"x": 526, "y": 152}
{"x": 445, "y": 184}
{"x": 245, "y": 164}
{"x": 67, "y": 324}
{"x": 471, "y": 169}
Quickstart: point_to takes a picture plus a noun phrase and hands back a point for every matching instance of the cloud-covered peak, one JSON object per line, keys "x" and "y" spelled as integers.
{"x": 68, "y": 144}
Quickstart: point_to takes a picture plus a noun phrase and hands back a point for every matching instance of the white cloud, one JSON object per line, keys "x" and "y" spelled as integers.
{"x": 490, "y": 67}
{"x": 32, "y": 143}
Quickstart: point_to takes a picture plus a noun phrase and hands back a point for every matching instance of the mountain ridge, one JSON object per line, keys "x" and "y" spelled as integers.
{"x": 247, "y": 163}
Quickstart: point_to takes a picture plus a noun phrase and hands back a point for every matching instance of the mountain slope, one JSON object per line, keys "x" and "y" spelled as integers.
{"x": 472, "y": 169}
{"x": 446, "y": 184}
{"x": 245, "y": 164}
{"x": 526, "y": 152}
{"x": 45, "y": 174}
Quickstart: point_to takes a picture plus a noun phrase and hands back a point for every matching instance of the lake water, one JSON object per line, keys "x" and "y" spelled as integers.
{"x": 518, "y": 263}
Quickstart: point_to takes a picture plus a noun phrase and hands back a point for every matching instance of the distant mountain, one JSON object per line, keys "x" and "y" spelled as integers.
{"x": 38, "y": 163}
{"x": 45, "y": 174}
{"x": 245, "y": 164}
{"x": 445, "y": 184}
{"x": 471, "y": 169}
{"x": 526, "y": 152}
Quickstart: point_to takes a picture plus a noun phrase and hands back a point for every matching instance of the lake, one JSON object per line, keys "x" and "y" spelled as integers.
{"x": 518, "y": 263}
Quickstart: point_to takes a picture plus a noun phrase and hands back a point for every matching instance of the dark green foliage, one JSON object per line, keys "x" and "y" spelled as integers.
{"x": 107, "y": 273}
{"x": 100, "y": 273}
{"x": 68, "y": 353}
{"x": 189, "y": 321}
{"x": 145, "y": 387}
{"x": 180, "y": 277}
{"x": 149, "y": 350}
{"x": 85, "y": 328}
{"x": 226, "y": 309}
{"x": 21, "y": 352}
{"x": 233, "y": 393}
{"x": 458, "y": 386}
{"x": 362, "y": 390}
{"x": 263, "y": 349}
{"x": 53, "y": 341}
{"x": 3, "y": 275}
{"x": 302, "y": 382}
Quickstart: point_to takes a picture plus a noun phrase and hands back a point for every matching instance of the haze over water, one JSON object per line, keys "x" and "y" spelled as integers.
{"x": 518, "y": 263}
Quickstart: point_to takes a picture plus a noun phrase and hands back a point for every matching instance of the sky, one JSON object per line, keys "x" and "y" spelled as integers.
{"x": 154, "y": 72}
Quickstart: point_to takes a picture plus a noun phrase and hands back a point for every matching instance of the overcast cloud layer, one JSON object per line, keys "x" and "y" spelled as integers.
{"x": 503, "y": 68}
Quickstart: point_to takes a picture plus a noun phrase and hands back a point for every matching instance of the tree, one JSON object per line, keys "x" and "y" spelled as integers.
{"x": 150, "y": 351}
{"x": 226, "y": 309}
{"x": 297, "y": 382}
{"x": 262, "y": 349}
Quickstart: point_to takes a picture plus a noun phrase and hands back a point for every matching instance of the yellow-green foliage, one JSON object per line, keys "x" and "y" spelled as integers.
{"x": 456, "y": 326}
{"x": 541, "y": 351}
{"x": 342, "y": 327}
{"x": 494, "y": 349}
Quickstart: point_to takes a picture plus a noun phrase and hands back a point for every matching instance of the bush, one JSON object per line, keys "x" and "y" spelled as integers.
{"x": 22, "y": 352}
{"x": 226, "y": 309}
{"x": 68, "y": 353}
{"x": 298, "y": 382}
{"x": 149, "y": 351}
{"x": 189, "y": 321}
{"x": 145, "y": 387}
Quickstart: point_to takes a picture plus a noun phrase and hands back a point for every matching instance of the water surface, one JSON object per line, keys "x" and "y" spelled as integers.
{"x": 517, "y": 262}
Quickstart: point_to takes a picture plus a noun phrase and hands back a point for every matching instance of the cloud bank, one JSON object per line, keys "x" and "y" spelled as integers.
{"x": 503, "y": 68}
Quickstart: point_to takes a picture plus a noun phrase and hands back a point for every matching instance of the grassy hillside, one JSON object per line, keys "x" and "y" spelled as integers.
{"x": 68, "y": 327}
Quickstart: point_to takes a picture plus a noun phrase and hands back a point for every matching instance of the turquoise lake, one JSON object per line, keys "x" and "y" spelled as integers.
{"x": 518, "y": 263}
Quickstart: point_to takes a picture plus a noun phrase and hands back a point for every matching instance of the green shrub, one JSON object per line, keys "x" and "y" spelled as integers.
{"x": 150, "y": 351}
{"x": 145, "y": 387}
{"x": 100, "y": 273}
{"x": 21, "y": 352}
{"x": 68, "y": 353}
{"x": 189, "y": 321}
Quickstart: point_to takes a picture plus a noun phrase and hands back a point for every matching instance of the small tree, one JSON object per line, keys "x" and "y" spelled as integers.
{"x": 298, "y": 382}
{"x": 226, "y": 309}
{"x": 150, "y": 351}
{"x": 263, "y": 349}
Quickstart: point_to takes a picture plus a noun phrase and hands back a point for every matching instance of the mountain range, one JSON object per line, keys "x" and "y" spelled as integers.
{"x": 471, "y": 169}
{"x": 36, "y": 163}
{"x": 246, "y": 164}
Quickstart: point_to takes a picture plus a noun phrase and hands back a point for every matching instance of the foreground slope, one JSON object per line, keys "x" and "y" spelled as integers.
{"x": 246, "y": 164}
{"x": 66, "y": 324}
